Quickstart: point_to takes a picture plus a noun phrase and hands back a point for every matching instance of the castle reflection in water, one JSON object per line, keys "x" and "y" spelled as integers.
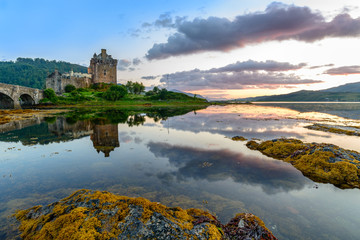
{"x": 105, "y": 136}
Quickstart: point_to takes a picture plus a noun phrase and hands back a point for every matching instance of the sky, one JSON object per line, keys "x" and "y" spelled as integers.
{"x": 221, "y": 49}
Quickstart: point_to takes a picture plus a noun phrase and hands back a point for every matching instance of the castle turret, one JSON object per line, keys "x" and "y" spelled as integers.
{"x": 103, "y": 53}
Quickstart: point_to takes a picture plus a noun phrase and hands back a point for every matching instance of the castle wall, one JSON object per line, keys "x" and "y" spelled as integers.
{"x": 76, "y": 130}
{"x": 59, "y": 83}
{"x": 78, "y": 82}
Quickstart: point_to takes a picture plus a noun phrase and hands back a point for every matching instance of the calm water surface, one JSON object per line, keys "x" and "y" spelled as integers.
{"x": 188, "y": 161}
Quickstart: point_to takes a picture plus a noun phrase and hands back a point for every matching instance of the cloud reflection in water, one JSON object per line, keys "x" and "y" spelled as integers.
{"x": 216, "y": 165}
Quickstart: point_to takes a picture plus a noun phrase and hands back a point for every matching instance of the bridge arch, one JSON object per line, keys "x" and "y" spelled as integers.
{"x": 26, "y": 100}
{"x": 6, "y": 102}
{"x": 14, "y": 96}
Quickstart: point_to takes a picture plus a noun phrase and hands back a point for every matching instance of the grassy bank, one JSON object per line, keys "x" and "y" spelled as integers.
{"x": 111, "y": 96}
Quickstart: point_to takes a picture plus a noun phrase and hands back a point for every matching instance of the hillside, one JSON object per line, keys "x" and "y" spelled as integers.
{"x": 345, "y": 93}
{"x": 350, "y": 87}
{"x": 188, "y": 94}
{"x": 316, "y": 96}
{"x": 33, "y": 72}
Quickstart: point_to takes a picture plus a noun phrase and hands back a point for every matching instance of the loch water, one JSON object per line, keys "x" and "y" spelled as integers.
{"x": 185, "y": 160}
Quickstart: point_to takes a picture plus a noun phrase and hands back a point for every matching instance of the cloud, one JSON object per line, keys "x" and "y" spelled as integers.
{"x": 250, "y": 65}
{"x": 165, "y": 20}
{"x": 149, "y": 77}
{"x": 240, "y": 75}
{"x": 134, "y": 32}
{"x": 123, "y": 64}
{"x": 277, "y": 22}
{"x": 345, "y": 70}
{"x": 128, "y": 65}
{"x": 136, "y": 61}
{"x": 197, "y": 79}
{"x": 146, "y": 25}
{"x": 320, "y": 66}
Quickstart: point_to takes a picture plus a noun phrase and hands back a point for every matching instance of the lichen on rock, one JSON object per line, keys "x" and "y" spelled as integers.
{"x": 338, "y": 129}
{"x": 88, "y": 214}
{"x": 238, "y": 138}
{"x": 320, "y": 162}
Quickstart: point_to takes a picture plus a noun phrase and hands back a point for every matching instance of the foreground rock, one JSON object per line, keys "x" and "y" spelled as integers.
{"x": 348, "y": 130}
{"x": 90, "y": 214}
{"x": 325, "y": 163}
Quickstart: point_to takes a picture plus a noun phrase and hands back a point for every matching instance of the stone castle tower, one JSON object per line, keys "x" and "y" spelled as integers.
{"x": 103, "y": 68}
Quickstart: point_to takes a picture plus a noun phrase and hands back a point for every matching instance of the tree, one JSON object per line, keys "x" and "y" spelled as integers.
{"x": 138, "y": 88}
{"x": 69, "y": 88}
{"x": 156, "y": 90}
{"x": 135, "y": 87}
{"x": 130, "y": 87}
{"x": 50, "y": 94}
{"x": 163, "y": 94}
{"x": 153, "y": 92}
{"x": 115, "y": 93}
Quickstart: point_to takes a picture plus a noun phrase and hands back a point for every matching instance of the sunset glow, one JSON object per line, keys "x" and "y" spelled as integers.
{"x": 218, "y": 49}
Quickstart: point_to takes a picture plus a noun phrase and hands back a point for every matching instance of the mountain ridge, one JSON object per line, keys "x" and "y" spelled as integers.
{"x": 344, "y": 93}
{"x": 349, "y": 87}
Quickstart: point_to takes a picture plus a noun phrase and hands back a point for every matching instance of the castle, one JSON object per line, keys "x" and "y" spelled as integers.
{"x": 102, "y": 69}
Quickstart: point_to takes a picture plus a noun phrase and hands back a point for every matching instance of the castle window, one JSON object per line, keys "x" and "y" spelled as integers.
{"x": 104, "y": 72}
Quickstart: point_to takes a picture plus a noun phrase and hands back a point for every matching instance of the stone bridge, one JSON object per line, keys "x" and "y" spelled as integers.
{"x": 14, "y": 96}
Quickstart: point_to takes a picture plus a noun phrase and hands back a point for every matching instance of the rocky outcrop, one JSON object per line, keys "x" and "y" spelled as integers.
{"x": 90, "y": 214}
{"x": 320, "y": 162}
{"x": 339, "y": 129}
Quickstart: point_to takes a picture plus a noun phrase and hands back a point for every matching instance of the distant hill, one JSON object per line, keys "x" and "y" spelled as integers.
{"x": 350, "y": 87}
{"x": 345, "y": 93}
{"x": 33, "y": 72}
{"x": 189, "y": 94}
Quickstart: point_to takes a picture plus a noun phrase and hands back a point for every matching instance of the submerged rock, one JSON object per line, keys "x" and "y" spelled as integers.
{"x": 348, "y": 130}
{"x": 320, "y": 162}
{"x": 90, "y": 214}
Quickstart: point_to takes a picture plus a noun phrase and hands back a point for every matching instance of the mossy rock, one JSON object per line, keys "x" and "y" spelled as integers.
{"x": 238, "y": 138}
{"x": 324, "y": 163}
{"x": 90, "y": 214}
{"x": 252, "y": 145}
{"x": 351, "y": 131}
